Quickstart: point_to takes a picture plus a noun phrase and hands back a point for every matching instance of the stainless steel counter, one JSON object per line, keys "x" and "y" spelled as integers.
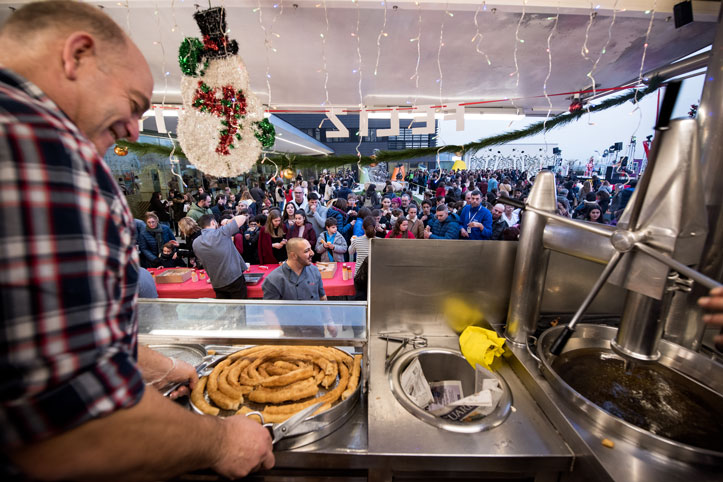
{"x": 387, "y": 441}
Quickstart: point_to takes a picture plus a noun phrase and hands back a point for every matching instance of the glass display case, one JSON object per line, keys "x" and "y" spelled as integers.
{"x": 233, "y": 322}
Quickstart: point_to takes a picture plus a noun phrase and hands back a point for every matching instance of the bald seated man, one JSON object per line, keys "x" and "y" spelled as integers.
{"x": 298, "y": 279}
{"x": 79, "y": 399}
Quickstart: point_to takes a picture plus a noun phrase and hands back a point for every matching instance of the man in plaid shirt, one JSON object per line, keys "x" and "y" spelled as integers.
{"x": 73, "y": 396}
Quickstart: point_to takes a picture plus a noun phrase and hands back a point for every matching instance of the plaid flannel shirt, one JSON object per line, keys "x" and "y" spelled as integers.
{"x": 68, "y": 274}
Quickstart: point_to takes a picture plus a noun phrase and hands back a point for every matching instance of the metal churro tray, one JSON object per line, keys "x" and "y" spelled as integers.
{"x": 312, "y": 429}
{"x": 191, "y": 354}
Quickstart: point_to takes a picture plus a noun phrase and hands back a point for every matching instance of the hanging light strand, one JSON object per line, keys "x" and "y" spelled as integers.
{"x": 518, "y": 41}
{"x": 359, "y": 71}
{"x": 549, "y": 73}
{"x": 439, "y": 53}
{"x": 382, "y": 33}
{"x": 419, "y": 53}
{"x": 645, "y": 48}
{"x": 591, "y": 18}
{"x": 128, "y": 18}
{"x": 323, "y": 57}
{"x": 602, "y": 52}
{"x": 478, "y": 35}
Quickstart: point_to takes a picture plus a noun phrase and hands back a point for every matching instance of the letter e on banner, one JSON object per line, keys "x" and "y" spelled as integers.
{"x": 457, "y": 116}
{"x": 363, "y": 123}
{"x": 160, "y": 121}
{"x": 342, "y": 131}
{"x": 428, "y": 119}
{"x": 393, "y": 128}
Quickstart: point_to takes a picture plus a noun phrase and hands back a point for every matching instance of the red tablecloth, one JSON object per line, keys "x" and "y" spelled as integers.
{"x": 202, "y": 288}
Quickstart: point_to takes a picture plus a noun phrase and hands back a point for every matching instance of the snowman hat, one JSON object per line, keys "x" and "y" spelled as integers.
{"x": 212, "y": 23}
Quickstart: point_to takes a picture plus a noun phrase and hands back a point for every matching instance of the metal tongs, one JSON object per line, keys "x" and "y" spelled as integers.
{"x": 417, "y": 341}
{"x": 285, "y": 428}
{"x": 203, "y": 369}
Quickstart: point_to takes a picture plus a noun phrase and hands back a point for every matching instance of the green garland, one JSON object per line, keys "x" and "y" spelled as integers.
{"x": 145, "y": 148}
{"x": 552, "y": 122}
{"x": 326, "y": 162}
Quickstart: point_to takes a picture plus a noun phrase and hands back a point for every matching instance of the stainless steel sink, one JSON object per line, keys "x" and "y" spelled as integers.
{"x": 441, "y": 364}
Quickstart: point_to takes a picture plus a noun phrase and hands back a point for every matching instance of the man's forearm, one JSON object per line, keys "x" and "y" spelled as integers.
{"x": 152, "y": 440}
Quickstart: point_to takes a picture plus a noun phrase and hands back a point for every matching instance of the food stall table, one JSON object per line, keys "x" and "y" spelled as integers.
{"x": 189, "y": 289}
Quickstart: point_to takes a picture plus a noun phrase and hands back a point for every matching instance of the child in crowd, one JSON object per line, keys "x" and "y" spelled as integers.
{"x": 331, "y": 244}
{"x": 169, "y": 258}
{"x": 251, "y": 240}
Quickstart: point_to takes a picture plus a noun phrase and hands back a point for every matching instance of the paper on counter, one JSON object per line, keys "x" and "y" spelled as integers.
{"x": 415, "y": 385}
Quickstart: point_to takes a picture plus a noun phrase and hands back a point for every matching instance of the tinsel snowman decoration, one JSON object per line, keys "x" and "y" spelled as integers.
{"x": 221, "y": 128}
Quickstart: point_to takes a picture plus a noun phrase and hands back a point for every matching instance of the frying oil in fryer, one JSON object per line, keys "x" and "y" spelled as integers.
{"x": 650, "y": 396}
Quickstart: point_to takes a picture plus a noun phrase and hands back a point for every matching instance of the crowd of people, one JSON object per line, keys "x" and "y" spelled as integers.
{"x": 330, "y": 213}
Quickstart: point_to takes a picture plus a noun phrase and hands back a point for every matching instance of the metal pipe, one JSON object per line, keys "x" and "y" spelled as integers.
{"x": 528, "y": 279}
{"x": 571, "y": 240}
{"x": 679, "y": 68}
{"x": 640, "y": 329}
{"x": 678, "y": 266}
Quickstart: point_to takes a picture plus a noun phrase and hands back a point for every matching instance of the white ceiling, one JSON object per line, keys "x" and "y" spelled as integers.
{"x": 296, "y": 67}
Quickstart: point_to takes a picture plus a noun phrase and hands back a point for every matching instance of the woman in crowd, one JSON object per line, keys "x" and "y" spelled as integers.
{"x": 160, "y": 208}
{"x": 289, "y": 216}
{"x": 372, "y": 195}
{"x": 338, "y": 212}
{"x": 586, "y": 188}
{"x": 272, "y": 240}
{"x": 416, "y": 226}
{"x": 400, "y": 229}
{"x": 152, "y": 239}
{"x": 246, "y": 199}
{"x": 594, "y": 214}
{"x": 190, "y": 231}
{"x": 302, "y": 228}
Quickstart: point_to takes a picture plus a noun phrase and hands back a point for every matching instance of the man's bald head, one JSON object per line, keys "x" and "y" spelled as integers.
{"x": 299, "y": 251}
{"x": 295, "y": 245}
{"x": 31, "y": 20}
{"x": 83, "y": 62}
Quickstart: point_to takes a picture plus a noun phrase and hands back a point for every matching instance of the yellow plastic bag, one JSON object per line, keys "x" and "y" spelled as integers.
{"x": 480, "y": 346}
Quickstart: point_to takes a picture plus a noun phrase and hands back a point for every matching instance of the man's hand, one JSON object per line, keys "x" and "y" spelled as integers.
{"x": 174, "y": 242}
{"x": 184, "y": 373}
{"x": 246, "y": 447}
{"x": 240, "y": 220}
{"x": 427, "y": 232}
{"x": 463, "y": 233}
{"x": 332, "y": 329}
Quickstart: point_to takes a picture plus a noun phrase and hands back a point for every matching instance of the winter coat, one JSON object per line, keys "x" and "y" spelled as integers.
{"x": 340, "y": 247}
{"x": 149, "y": 246}
{"x": 265, "y": 250}
{"x": 196, "y": 211}
{"x": 342, "y": 220}
{"x": 447, "y": 229}
{"x": 309, "y": 233}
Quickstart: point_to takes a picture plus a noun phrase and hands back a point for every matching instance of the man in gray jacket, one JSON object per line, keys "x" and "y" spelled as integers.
{"x": 223, "y": 263}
